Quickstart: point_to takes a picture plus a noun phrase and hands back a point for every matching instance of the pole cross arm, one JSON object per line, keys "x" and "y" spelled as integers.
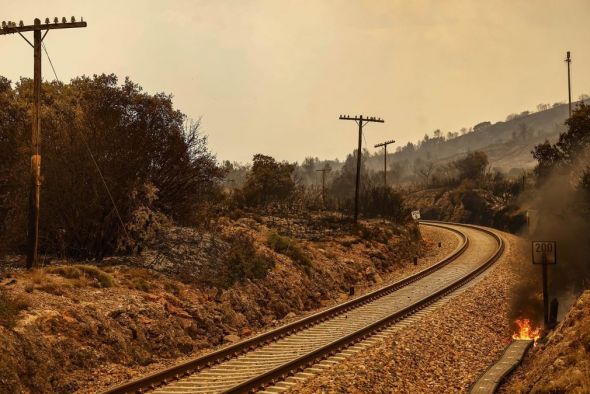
{"x": 12, "y": 28}
{"x": 384, "y": 143}
{"x": 367, "y": 119}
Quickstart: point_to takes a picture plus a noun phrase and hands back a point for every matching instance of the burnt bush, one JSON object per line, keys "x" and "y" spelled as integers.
{"x": 9, "y": 309}
{"x": 240, "y": 262}
{"x": 267, "y": 182}
{"x": 384, "y": 202}
{"x": 136, "y": 139}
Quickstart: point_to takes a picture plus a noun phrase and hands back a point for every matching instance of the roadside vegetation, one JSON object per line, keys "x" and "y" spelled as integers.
{"x": 291, "y": 248}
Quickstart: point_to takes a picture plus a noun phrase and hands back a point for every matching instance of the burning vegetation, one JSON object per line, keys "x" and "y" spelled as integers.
{"x": 526, "y": 331}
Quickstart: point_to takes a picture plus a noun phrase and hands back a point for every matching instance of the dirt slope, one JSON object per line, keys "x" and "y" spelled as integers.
{"x": 81, "y": 330}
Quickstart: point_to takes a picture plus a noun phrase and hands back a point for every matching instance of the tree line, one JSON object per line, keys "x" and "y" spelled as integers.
{"x": 153, "y": 161}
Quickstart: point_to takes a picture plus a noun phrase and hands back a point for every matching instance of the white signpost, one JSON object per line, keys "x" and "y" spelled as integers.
{"x": 416, "y": 215}
{"x": 544, "y": 253}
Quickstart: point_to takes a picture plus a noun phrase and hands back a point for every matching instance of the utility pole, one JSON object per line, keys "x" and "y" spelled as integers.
{"x": 384, "y": 145}
{"x": 323, "y": 171}
{"x": 568, "y": 60}
{"x": 35, "y": 192}
{"x": 361, "y": 122}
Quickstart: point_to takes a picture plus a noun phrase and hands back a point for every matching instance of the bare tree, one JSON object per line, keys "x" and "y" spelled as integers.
{"x": 424, "y": 169}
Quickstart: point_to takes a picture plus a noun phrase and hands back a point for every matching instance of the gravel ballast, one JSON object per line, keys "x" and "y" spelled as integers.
{"x": 445, "y": 351}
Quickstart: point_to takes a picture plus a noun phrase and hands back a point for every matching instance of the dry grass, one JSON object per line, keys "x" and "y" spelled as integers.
{"x": 83, "y": 275}
{"x": 140, "y": 279}
{"x": 9, "y": 309}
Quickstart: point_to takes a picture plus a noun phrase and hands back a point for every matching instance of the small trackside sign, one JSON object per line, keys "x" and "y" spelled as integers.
{"x": 416, "y": 215}
{"x": 544, "y": 252}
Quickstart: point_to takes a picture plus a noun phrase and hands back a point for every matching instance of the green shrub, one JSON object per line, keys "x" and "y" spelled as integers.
{"x": 9, "y": 309}
{"x": 172, "y": 287}
{"x": 268, "y": 181}
{"x": 239, "y": 263}
{"x": 103, "y": 279}
{"x": 372, "y": 233}
{"x": 99, "y": 277}
{"x": 290, "y": 248}
{"x": 140, "y": 284}
{"x": 67, "y": 271}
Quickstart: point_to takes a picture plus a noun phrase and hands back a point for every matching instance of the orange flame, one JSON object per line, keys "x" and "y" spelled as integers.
{"x": 526, "y": 330}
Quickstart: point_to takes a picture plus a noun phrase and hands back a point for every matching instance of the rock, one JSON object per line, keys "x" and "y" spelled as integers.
{"x": 173, "y": 310}
{"x": 144, "y": 320}
{"x": 558, "y": 363}
{"x": 231, "y": 338}
{"x": 68, "y": 318}
{"x": 245, "y": 332}
{"x": 290, "y": 315}
{"x": 186, "y": 323}
{"x": 151, "y": 297}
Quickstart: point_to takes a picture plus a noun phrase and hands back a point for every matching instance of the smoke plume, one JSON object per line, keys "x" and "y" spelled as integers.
{"x": 559, "y": 211}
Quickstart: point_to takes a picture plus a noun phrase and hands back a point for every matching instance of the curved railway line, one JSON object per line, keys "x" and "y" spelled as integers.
{"x": 279, "y": 358}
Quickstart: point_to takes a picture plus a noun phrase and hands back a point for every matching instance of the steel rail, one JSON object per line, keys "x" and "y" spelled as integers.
{"x": 285, "y": 370}
{"x": 192, "y": 366}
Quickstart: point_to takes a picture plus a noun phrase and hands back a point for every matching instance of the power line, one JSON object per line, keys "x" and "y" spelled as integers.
{"x": 50, "y": 62}
{"x": 104, "y": 182}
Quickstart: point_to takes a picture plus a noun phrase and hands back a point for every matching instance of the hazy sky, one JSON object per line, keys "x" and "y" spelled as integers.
{"x": 272, "y": 76}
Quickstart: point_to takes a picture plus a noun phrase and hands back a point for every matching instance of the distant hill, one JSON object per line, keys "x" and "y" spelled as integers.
{"x": 508, "y": 144}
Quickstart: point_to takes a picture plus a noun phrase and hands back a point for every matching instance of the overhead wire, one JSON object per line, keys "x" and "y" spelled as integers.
{"x": 104, "y": 182}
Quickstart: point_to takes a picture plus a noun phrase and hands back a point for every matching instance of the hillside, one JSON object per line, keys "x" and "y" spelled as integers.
{"x": 82, "y": 327}
{"x": 508, "y": 144}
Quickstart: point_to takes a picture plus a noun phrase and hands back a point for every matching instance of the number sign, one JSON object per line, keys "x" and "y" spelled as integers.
{"x": 544, "y": 250}
{"x": 415, "y": 215}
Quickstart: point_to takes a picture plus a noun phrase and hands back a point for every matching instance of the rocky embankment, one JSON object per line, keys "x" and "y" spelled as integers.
{"x": 68, "y": 328}
{"x": 561, "y": 362}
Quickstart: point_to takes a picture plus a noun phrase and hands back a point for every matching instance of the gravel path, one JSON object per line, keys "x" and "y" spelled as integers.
{"x": 446, "y": 351}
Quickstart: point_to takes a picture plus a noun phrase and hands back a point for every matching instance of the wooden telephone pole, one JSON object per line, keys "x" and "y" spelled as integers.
{"x": 384, "y": 145}
{"x": 35, "y": 193}
{"x": 361, "y": 121}
{"x": 323, "y": 171}
{"x": 568, "y": 60}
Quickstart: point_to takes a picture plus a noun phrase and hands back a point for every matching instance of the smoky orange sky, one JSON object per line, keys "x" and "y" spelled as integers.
{"x": 272, "y": 76}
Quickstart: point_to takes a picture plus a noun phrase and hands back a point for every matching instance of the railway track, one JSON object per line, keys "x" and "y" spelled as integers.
{"x": 287, "y": 352}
